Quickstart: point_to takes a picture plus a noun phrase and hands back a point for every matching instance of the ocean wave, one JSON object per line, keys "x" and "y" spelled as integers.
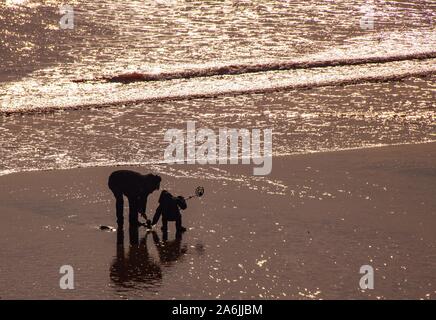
{"x": 243, "y": 68}
{"x": 77, "y": 97}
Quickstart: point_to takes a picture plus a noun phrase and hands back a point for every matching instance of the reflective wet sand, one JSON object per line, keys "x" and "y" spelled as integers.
{"x": 303, "y": 233}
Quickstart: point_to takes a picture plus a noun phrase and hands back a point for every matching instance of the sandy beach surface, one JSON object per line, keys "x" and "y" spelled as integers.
{"x": 301, "y": 233}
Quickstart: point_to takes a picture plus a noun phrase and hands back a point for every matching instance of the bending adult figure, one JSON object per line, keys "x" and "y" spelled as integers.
{"x": 136, "y": 187}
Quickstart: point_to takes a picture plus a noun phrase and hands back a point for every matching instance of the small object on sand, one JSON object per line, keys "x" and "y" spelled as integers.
{"x": 107, "y": 228}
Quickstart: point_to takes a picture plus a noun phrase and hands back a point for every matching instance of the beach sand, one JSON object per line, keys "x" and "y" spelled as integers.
{"x": 302, "y": 232}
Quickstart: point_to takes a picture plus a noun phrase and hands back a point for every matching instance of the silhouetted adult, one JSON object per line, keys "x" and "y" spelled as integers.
{"x": 136, "y": 187}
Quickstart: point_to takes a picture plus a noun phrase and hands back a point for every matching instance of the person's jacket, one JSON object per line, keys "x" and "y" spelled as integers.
{"x": 169, "y": 207}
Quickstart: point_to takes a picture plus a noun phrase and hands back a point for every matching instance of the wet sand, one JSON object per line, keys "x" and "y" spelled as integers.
{"x": 301, "y": 233}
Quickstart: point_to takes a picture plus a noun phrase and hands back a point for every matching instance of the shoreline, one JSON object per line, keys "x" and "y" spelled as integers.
{"x": 157, "y": 163}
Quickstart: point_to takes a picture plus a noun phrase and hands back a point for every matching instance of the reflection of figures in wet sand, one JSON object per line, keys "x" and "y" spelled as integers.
{"x": 138, "y": 266}
{"x": 169, "y": 251}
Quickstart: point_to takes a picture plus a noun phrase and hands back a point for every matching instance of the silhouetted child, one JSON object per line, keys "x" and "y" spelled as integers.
{"x": 169, "y": 207}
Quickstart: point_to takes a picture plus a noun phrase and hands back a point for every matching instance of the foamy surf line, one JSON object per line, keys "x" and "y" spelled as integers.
{"x": 156, "y": 164}
{"x": 238, "y": 69}
{"x": 202, "y": 88}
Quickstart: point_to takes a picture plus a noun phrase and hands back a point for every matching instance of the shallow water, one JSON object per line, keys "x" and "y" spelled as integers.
{"x": 313, "y": 120}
